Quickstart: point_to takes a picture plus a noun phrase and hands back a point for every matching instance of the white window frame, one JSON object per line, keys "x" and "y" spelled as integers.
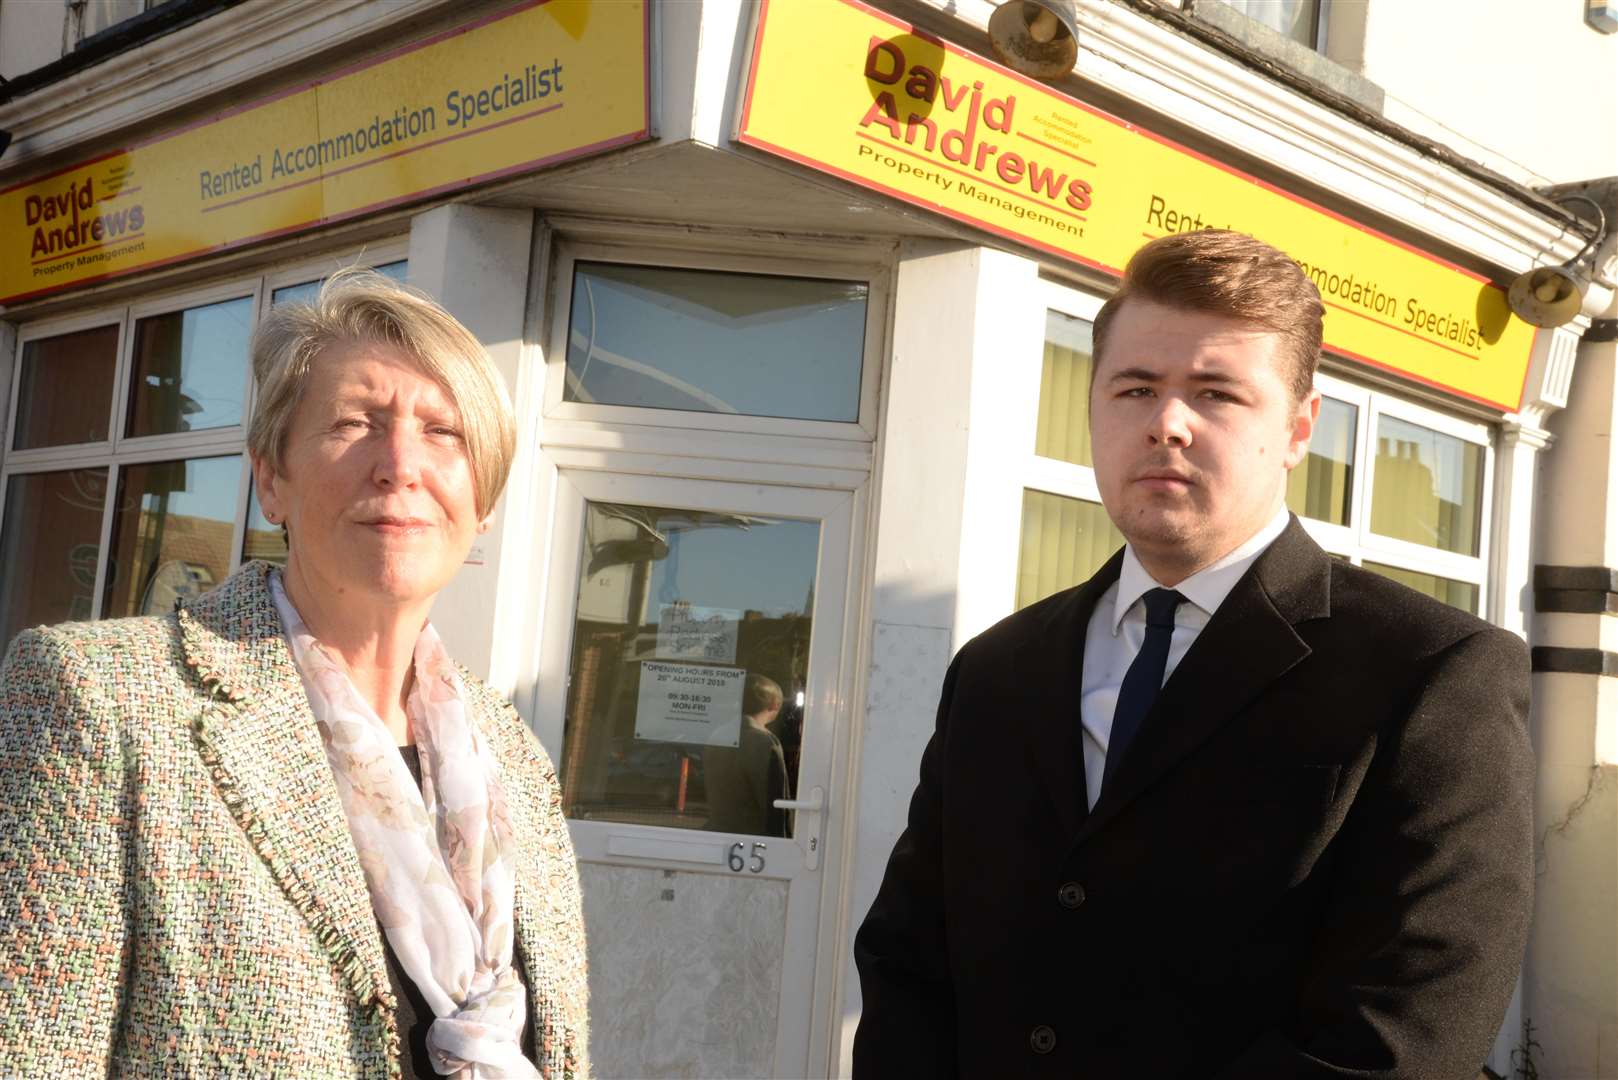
{"x": 118, "y": 450}
{"x": 795, "y": 259}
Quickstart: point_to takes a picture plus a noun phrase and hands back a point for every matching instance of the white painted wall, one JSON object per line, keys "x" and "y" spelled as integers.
{"x": 1525, "y": 88}
{"x": 949, "y": 331}
{"x": 474, "y": 260}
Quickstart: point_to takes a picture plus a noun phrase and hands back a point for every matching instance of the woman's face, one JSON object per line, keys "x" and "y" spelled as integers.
{"x": 376, "y": 486}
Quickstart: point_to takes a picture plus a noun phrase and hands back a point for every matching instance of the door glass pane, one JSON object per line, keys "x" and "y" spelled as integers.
{"x": 1063, "y": 431}
{"x": 1321, "y": 486}
{"x": 261, "y": 540}
{"x": 1461, "y": 594}
{"x": 690, "y": 656}
{"x": 664, "y": 338}
{"x": 64, "y": 395}
{"x": 305, "y": 291}
{"x": 1064, "y": 541}
{"x": 171, "y": 532}
{"x": 1428, "y": 487}
{"x": 190, "y": 369}
{"x": 49, "y": 545}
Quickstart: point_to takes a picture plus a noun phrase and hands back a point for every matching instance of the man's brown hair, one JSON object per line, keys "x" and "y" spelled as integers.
{"x": 1220, "y": 272}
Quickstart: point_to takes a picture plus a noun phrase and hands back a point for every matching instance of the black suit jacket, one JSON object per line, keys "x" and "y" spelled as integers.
{"x": 1314, "y": 862}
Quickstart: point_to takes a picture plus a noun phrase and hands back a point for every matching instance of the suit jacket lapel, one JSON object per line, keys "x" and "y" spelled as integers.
{"x": 1047, "y": 685}
{"x": 1247, "y": 645}
{"x": 268, "y": 761}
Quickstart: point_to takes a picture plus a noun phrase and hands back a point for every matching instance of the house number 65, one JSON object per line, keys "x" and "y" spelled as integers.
{"x": 738, "y": 857}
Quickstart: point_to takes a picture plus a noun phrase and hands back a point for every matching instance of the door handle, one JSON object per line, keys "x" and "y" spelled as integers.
{"x": 815, "y": 803}
{"x": 808, "y": 823}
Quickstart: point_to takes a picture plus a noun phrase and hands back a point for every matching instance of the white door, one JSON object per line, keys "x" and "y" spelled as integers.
{"x": 693, "y": 681}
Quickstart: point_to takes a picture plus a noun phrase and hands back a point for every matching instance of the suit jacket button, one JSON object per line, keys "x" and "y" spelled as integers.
{"x": 1070, "y": 895}
{"x": 1042, "y": 1039}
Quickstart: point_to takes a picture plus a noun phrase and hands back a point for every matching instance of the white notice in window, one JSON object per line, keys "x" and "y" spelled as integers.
{"x": 689, "y": 703}
{"x": 696, "y": 633}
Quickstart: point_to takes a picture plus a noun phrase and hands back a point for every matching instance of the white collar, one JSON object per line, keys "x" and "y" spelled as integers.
{"x": 1208, "y": 587}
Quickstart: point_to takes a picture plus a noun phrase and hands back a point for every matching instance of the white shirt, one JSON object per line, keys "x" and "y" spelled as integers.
{"x": 1118, "y": 628}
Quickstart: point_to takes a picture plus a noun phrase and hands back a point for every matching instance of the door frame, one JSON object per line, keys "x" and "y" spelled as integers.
{"x": 810, "y": 946}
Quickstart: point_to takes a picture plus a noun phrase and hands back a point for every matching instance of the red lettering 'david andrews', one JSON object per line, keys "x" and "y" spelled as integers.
{"x": 964, "y": 143}
{"x": 65, "y": 221}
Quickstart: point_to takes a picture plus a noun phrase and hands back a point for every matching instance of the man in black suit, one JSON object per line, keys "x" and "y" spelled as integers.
{"x": 1231, "y": 807}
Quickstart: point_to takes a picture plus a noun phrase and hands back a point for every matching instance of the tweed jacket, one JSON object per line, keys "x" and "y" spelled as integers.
{"x": 179, "y": 894}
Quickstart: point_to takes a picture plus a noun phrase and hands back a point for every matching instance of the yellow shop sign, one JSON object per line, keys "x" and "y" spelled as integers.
{"x": 510, "y": 93}
{"x": 853, "y": 92}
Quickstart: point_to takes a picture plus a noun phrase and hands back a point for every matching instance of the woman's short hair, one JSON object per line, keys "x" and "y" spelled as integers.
{"x": 1220, "y": 272}
{"x": 760, "y": 694}
{"x": 362, "y": 306}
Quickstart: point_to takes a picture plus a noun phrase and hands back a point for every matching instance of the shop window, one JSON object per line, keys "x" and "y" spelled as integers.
{"x": 124, "y": 485}
{"x": 690, "y": 654}
{"x": 50, "y": 544}
{"x": 1064, "y": 541}
{"x": 190, "y": 369}
{"x": 1063, "y": 430}
{"x": 1461, "y": 594}
{"x": 172, "y": 524}
{"x": 1429, "y": 487}
{"x": 305, "y": 291}
{"x": 64, "y": 389}
{"x": 1322, "y": 485}
{"x": 714, "y": 341}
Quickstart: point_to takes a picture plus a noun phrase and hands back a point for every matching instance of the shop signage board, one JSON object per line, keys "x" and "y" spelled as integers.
{"x": 527, "y": 87}
{"x": 689, "y": 703}
{"x": 851, "y": 91}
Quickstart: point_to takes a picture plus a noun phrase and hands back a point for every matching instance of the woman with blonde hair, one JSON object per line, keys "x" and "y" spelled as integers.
{"x": 279, "y": 832}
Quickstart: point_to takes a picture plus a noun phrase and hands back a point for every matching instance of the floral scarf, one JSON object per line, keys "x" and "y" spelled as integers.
{"x": 436, "y": 860}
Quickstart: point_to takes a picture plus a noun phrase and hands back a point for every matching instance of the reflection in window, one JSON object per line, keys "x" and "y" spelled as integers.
{"x": 261, "y": 540}
{"x": 1428, "y": 487}
{"x": 706, "y": 341}
{"x": 1064, "y": 542}
{"x": 190, "y": 369}
{"x": 49, "y": 544}
{"x": 171, "y": 530}
{"x": 1323, "y": 483}
{"x": 1461, "y": 594}
{"x": 690, "y": 657}
{"x": 305, "y": 291}
{"x": 1063, "y": 431}
{"x": 64, "y": 390}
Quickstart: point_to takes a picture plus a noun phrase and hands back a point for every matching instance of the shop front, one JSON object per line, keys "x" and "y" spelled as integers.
{"x": 794, "y": 304}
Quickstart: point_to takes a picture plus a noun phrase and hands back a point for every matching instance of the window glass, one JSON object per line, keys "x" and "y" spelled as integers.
{"x": 1295, "y": 19}
{"x": 1063, "y": 431}
{"x": 49, "y": 544}
{"x": 190, "y": 369}
{"x": 1461, "y": 594}
{"x": 261, "y": 540}
{"x": 1064, "y": 542}
{"x": 64, "y": 392}
{"x": 1428, "y": 487}
{"x": 690, "y": 655}
{"x": 305, "y": 291}
{"x": 706, "y": 341}
{"x": 1323, "y": 483}
{"x": 171, "y": 530}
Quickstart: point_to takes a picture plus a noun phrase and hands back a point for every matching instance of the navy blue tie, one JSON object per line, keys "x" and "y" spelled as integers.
{"x": 1143, "y": 679}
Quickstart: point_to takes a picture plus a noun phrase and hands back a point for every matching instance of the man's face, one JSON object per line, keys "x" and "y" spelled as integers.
{"x": 1193, "y": 430}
